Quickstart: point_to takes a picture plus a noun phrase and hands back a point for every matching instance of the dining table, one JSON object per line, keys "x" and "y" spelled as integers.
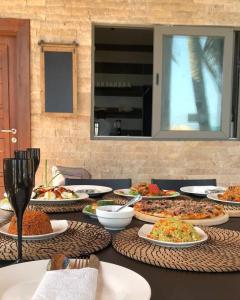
{"x": 168, "y": 284}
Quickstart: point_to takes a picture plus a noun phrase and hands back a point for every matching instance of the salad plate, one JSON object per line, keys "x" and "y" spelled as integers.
{"x": 90, "y": 210}
{"x": 146, "y": 229}
{"x": 19, "y": 281}
{"x": 127, "y": 193}
{"x": 5, "y": 204}
{"x": 214, "y": 196}
{"x": 56, "y": 195}
{"x": 81, "y": 196}
{"x": 58, "y": 226}
{"x": 91, "y": 190}
{"x": 202, "y": 190}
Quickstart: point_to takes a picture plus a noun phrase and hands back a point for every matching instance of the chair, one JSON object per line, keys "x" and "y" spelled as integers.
{"x": 176, "y": 184}
{"x": 112, "y": 183}
{"x": 60, "y": 173}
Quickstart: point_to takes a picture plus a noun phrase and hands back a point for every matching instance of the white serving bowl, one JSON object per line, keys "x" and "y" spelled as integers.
{"x": 113, "y": 220}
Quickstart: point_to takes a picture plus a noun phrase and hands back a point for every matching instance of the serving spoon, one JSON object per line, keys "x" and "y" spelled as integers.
{"x": 131, "y": 202}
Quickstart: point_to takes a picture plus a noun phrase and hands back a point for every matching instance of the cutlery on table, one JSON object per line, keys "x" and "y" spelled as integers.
{"x": 91, "y": 262}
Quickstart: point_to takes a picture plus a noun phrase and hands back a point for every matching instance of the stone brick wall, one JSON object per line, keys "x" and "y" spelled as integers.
{"x": 67, "y": 141}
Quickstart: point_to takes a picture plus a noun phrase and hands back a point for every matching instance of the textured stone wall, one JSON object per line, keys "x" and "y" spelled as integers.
{"x": 67, "y": 141}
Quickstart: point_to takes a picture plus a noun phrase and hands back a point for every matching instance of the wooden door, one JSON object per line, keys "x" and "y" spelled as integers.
{"x": 14, "y": 89}
{"x": 4, "y": 108}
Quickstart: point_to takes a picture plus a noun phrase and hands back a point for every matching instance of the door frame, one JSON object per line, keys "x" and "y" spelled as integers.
{"x": 21, "y": 118}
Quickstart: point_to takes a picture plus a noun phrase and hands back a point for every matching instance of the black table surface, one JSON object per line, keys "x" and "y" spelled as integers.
{"x": 167, "y": 284}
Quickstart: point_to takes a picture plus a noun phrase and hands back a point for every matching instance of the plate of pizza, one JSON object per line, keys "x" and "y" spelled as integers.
{"x": 147, "y": 191}
{"x": 195, "y": 212}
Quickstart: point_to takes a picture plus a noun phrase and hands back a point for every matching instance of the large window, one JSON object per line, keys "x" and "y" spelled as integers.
{"x": 189, "y": 70}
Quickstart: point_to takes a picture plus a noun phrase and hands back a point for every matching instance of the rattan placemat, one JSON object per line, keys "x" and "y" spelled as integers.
{"x": 232, "y": 210}
{"x": 58, "y": 208}
{"x": 219, "y": 254}
{"x": 79, "y": 239}
{"x": 118, "y": 199}
{"x": 122, "y": 199}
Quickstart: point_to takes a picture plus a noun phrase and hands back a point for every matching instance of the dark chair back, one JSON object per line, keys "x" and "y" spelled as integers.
{"x": 112, "y": 183}
{"x": 176, "y": 184}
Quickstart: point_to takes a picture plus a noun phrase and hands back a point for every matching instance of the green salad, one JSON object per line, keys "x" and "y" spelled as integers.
{"x": 91, "y": 209}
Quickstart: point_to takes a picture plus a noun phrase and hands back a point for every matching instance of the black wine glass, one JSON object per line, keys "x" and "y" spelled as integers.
{"x": 35, "y": 154}
{"x": 21, "y": 154}
{"x": 19, "y": 180}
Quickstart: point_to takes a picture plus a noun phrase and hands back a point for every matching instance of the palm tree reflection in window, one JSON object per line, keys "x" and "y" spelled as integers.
{"x": 192, "y": 83}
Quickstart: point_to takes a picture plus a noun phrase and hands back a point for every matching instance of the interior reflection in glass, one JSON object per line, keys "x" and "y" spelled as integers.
{"x": 123, "y": 81}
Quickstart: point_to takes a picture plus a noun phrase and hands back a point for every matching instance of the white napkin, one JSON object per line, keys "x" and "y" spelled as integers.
{"x": 69, "y": 284}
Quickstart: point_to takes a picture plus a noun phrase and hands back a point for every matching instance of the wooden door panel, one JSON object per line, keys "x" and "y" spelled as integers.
{"x": 2, "y": 149}
{"x": 4, "y": 108}
{"x": 14, "y": 87}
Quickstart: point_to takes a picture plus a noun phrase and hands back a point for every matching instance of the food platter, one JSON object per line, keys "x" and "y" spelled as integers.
{"x": 126, "y": 193}
{"x": 19, "y": 281}
{"x": 194, "y": 212}
{"x": 214, "y": 196}
{"x": 146, "y": 229}
{"x": 201, "y": 190}
{"x": 221, "y": 219}
{"x": 58, "y": 226}
{"x": 81, "y": 196}
{"x": 91, "y": 190}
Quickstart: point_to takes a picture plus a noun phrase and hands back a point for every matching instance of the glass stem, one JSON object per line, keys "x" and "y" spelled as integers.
{"x": 19, "y": 227}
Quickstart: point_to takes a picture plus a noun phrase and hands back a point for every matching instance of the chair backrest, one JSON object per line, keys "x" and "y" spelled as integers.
{"x": 68, "y": 172}
{"x": 112, "y": 183}
{"x": 176, "y": 184}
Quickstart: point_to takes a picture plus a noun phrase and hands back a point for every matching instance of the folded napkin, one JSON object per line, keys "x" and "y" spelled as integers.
{"x": 69, "y": 284}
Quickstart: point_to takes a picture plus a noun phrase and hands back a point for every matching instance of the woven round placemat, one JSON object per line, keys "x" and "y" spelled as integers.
{"x": 58, "y": 208}
{"x": 232, "y": 210}
{"x": 79, "y": 239}
{"x": 219, "y": 254}
{"x": 119, "y": 200}
{"x": 122, "y": 199}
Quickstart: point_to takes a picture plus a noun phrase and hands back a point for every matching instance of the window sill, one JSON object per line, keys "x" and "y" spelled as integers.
{"x": 146, "y": 138}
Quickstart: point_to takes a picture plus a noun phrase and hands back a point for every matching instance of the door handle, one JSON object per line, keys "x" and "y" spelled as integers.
{"x": 13, "y": 131}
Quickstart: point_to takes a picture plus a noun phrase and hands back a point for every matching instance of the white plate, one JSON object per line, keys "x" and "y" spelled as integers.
{"x": 214, "y": 196}
{"x": 58, "y": 226}
{"x": 126, "y": 193}
{"x": 202, "y": 190}
{"x": 5, "y": 204}
{"x": 81, "y": 196}
{"x": 146, "y": 228}
{"x": 91, "y": 190}
{"x": 20, "y": 281}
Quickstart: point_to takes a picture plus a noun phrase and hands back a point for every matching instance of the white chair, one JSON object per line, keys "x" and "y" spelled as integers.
{"x": 60, "y": 173}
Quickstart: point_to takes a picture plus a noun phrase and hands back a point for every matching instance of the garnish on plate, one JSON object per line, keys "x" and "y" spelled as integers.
{"x": 150, "y": 189}
{"x": 54, "y": 193}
